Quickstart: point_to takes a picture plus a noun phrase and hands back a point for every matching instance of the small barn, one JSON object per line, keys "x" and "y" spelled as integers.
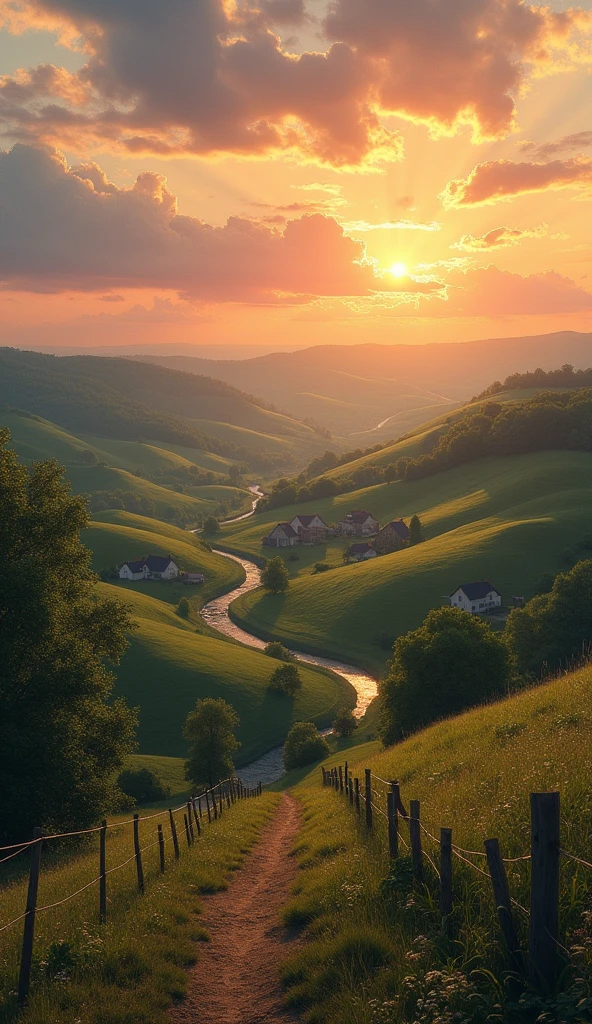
{"x": 361, "y": 552}
{"x": 392, "y": 537}
{"x": 311, "y": 529}
{"x": 476, "y": 598}
{"x": 358, "y": 523}
{"x": 282, "y": 536}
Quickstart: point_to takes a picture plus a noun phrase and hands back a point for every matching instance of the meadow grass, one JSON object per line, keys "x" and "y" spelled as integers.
{"x": 170, "y": 771}
{"x": 474, "y": 774}
{"x": 129, "y": 970}
{"x": 508, "y": 520}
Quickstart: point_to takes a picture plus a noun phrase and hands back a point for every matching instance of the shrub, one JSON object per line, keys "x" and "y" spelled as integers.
{"x": 274, "y": 576}
{"x": 344, "y": 722}
{"x": 303, "y": 746}
{"x": 277, "y": 650}
{"x": 211, "y": 525}
{"x": 285, "y": 679}
{"x": 183, "y": 608}
{"x": 143, "y": 785}
{"x": 320, "y": 567}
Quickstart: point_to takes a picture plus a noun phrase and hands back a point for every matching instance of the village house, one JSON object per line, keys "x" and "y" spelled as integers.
{"x": 311, "y": 529}
{"x": 358, "y": 523}
{"x": 152, "y": 567}
{"x": 392, "y": 537}
{"x": 476, "y": 598}
{"x": 361, "y": 552}
{"x": 282, "y": 536}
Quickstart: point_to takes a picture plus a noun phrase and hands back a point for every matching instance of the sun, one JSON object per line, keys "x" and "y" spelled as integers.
{"x": 398, "y": 270}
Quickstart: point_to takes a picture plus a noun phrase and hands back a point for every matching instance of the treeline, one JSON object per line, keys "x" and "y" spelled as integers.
{"x": 565, "y": 377}
{"x": 549, "y": 421}
{"x": 303, "y": 488}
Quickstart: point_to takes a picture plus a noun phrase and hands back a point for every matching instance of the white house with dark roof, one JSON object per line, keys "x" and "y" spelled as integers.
{"x": 476, "y": 598}
{"x": 311, "y": 529}
{"x": 282, "y": 536}
{"x": 152, "y": 567}
{"x": 358, "y": 523}
{"x": 361, "y": 552}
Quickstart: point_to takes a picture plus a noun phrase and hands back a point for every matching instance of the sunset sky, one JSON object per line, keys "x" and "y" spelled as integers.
{"x": 288, "y": 173}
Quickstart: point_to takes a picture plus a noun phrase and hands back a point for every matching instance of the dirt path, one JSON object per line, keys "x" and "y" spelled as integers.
{"x": 236, "y": 980}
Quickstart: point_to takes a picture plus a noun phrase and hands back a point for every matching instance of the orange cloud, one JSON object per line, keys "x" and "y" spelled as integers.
{"x": 489, "y": 291}
{"x": 497, "y": 180}
{"x": 498, "y": 238}
{"x": 213, "y": 77}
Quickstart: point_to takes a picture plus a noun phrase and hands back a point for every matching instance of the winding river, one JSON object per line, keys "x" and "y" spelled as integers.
{"x": 270, "y": 767}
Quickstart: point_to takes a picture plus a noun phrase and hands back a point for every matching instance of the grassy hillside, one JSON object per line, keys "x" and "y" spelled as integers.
{"x": 505, "y": 519}
{"x": 169, "y": 666}
{"x": 473, "y": 773}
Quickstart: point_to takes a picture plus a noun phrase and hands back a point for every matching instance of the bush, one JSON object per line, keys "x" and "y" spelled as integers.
{"x": 183, "y": 608}
{"x": 277, "y": 650}
{"x": 344, "y": 723}
{"x": 143, "y": 785}
{"x": 285, "y": 679}
{"x": 452, "y": 662}
{"x": 303, "y": 746}
{"x": 274, "y": 576}
{"x": 211, "y": 525}
{"x": 320, "y": 567}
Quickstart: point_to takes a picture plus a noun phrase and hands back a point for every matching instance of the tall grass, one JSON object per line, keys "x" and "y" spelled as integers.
{"x": 375, "y": 936}
{"x": 129, "y": 970}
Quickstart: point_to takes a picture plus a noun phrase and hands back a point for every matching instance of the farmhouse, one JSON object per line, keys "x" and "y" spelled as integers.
{"x": 282, "y": 536}
{"x": 476, "y": 598}
{"x": 358, "y": 523}
{"x": 392, "y": 537}
{"x": 152, "y": 567}
{"x": 361, "y": 552}
{"x": 311, "y": 529}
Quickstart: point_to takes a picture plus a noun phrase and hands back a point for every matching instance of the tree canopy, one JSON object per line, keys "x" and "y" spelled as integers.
{"x": 209, "y": 728}
{"x": 274, "y": 576}
{"x": 453, "y": 661}
{"x": 285, "y": 679}
{"x": 63, "y": 739}
{"x": 304, "y": 745}
{"x": 344, "y": 722}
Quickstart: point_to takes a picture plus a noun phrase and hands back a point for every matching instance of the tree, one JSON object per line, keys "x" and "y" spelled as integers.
{"x": 63, "y": 739}
{"x": 303, "y": 746}
{"x": 453, "y": 661}
{"x": 320, "y": 567}
{"x": 344, "y": 722}
{"x": 143, "y": 785}
{"x": 415, "y": 531}
{"x": 211, "y": 525}
{"x": 274, "y": 576}
{"x": 209, "y": 730}
{"x": 275, "y": 649}
{"x": 285, "y": 679}
{"x": 554, "y": 628}
{"x": 390, "y": 472}
{"x": 183, "y": 608}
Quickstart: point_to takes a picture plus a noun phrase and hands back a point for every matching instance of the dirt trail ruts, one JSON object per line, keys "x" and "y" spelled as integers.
{"x": 236, "y": 979}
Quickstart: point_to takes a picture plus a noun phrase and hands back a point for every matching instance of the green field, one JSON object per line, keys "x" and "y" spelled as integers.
{"x": 508, "y": 520}
{"x": 474, "y": 774}
{"x": 170, "y": 771}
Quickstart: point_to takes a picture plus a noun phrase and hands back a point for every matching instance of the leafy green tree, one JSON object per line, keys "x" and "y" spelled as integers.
{"x": 209, "y": 730}
{"x": 304, "y": 745}
{"x": 211, "y": 525}
{"x": 554, "y": 628}
{"x": 63, "y": 739}
{"x": 275, "y": 649}
{"x": 453, "y": 661}
{"x": 344, "y": 722}
{"x": 183, "y": 608}
{"x": 274, "y": 576}
{"x": 143, "y": 785}
{"x": 415, "y": 531}
{"x": 390, "y": 472}
{"x": 285, "y": 679}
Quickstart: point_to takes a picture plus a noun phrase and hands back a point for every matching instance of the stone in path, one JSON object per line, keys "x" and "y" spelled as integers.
{"x": 236, "y": 980}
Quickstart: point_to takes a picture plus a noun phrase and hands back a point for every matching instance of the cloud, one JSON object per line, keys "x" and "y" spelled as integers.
{"x": 162, "y": 311}
{"x": 71, "y": 229}
{"x": 391, "y": 225}
{"x": 567, "y": 144}
{"x": 498, "y": 180}
{"x": 211, "y": 77}
{"x": 489, "y": 291}
{"x": 498, "y": 238}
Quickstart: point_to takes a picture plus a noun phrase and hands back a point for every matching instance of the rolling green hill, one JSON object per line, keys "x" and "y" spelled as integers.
{"x": 508, "y": 520}
{"x": 169, "y": 666}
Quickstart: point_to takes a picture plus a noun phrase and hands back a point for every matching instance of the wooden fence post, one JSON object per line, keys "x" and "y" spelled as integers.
{"x": 199, "y": 806}
{"x": 221, "y": 796}
{"x": 415, "y": 839}
{"x": 196, "y": 818}
{"x": 161, "y": 848}
{"x": 138, "y": 853}
{"x": 544, "y": 890}
{"x": 174, "y": 834}
{"x": 503, "y": 904}
{"x": 351, "y": 790}
{"x": 368, "y": 796}
{"x": 260, "y": 789}
{"x": 445, "y": 876}
{"x": 340, "y": 779}
{"x": 357, "y": 785}
{"x": 227, "y": 793}
{"x": 191, "y": 832}
{"x": 29, "y": 929}
{"x": 103, "y": 873}
{"x": 187, "y": 835}
{"x": 207, "y": 799}
{"x": 393, "y": 833}
{"x": 346, "y": 777}
{"x": 214, "y": 803}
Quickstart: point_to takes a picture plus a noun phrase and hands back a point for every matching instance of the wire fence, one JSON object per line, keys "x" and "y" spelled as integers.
{"x": 372, "y": 795}
{"x": 202, "y": 808}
